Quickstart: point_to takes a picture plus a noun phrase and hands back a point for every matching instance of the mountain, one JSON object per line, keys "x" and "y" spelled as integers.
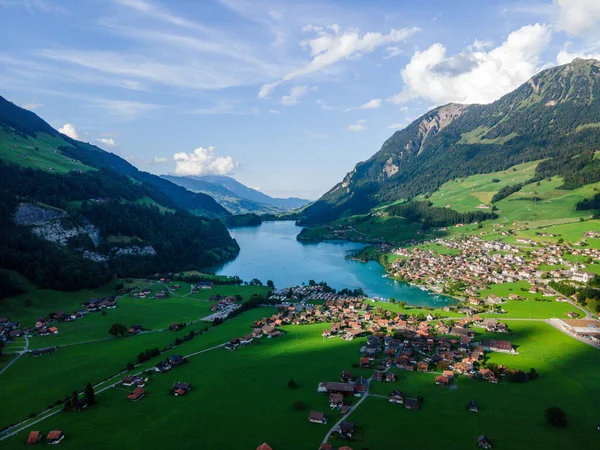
{"x": 242, "y": 191}
{"x": 555, "y": 117}
{"x": 73, "y": 215}
{"x": 226, "y": 198}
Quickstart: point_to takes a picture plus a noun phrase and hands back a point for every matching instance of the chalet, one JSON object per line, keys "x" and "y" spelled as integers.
{"x": 364, "y": 362}
{"x": 54, "y": 437}
{"x": 162, "y": 366}
{"x": 346, "y": 377}
{"x": 390, "y": 377}
{"x": 448, "y": 374}
{"x": 412, "y": 403}
{"x": 336, "y": 400}
{"x": 180, "y": 389}
{"x": 422, "y": 366}
{"x": 264, "y": 446}
{"x": 34, "y": 437}
{"x": 493, "y": 345}
{"x": 43, "y": 351}
{"x": 53, "y": 330}
{"x": 203, "y": 285}
{"x": 129, "y": 380}
{"x": 274, "y": 334}
{"x": 441, "y": 380}
{"x": 342, "y": 388}
{"x": 175, "y": 327}
{"x": 136, "y": 394}
{"x": 317, "y": 417}
{"x": 176, "y": 360}
{"x": 378, "y": 376}
{"x": 346, "y": 429}
{"x": 396, "y": 397}
{"x": 484, "y": 442}
{"x": 135, "y": 329}
{"x": 472, "y": 406}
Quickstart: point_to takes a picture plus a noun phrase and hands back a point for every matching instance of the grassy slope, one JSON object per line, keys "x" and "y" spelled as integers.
{"x": 45, "y": 157}
{"x": 72, "y": 367}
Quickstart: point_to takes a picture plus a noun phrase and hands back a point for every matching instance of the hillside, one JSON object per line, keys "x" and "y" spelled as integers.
{"x": 242, "y": 191}
{"x": 554, "y": 117}
{"x": 73, "y": 215}
{"x": 226, "y": 198}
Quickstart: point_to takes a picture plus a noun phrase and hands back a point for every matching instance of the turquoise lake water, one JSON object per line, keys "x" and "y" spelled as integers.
{"x": 271, "y": 252}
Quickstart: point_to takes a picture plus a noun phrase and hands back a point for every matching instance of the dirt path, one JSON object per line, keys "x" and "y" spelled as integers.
{"x": 21, "y": 353}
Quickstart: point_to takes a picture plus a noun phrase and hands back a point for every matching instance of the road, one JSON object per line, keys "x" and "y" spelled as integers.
{"x": 21, "y": 353}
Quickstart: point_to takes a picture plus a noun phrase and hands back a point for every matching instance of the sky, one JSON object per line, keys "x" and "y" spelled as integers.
{"x": 285, "y": 96}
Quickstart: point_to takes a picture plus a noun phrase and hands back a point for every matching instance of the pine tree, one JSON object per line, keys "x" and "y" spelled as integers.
{"x": 90, "y": 396}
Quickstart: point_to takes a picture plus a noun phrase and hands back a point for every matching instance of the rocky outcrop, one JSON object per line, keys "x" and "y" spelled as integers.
{"x": 135, "y": 250}
{"x": 30, "y": 214}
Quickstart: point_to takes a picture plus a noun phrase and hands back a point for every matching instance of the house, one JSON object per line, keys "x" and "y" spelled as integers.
{"x": 53, "y": 330}
{"x": 317, "y": 417}
{"x": 472, "y": 406}
{"x": 180, "y": 389}
{"x": 493, "y": 345}
{"x": 343, "y": 388}
{"x": 54, "y": 437}
{"x": 422, "y": 366}
{"x": 325, "y": 447}
{"x": 378, "y": 376}
{"x": 43, "y": 351}
{"x": 364, "y": 362}
{"x": 34, "y": 437}
{"x": 130, "y": 380}
{"x": 136, "y": 394}
{"x": 390, "y": 377}
{"x": 346, "y": 376}
{"x": 396, "y": 397}
{"x": 162, "y": 366}
{"x": 582, "y": 277}
{"x": 484, "y": 442}
{"x": 442, "y": 380}
{"x": 336, "y": 400}
{"x": 346, "y": 429}
{"x": 176, "y": 360}
{"x": 204, "y": 285}
{"x": 135, "y": 329}
{"x": 264, "y": 446}
{"x": 412, "y": 403}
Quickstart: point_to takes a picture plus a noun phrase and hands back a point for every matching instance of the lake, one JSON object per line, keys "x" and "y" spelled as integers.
{"x": 271, "y": 252}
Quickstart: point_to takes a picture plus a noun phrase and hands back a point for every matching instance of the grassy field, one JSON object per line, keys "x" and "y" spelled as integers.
{"x": 466, "y": 194}
{"x": 511, "y": 415}
{"x": 39, "y": 153}
{"x": 246, "y": 390}
{"x": 73, "y": 367}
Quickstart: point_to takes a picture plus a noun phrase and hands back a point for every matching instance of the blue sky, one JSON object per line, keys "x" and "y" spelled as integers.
{"x": 286, "y": 96}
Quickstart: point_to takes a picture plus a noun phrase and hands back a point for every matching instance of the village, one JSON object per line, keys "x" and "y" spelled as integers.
{"x": 472, "y": 264}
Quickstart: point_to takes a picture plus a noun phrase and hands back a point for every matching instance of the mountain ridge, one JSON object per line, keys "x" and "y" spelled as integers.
{"x": 552, "y": 115}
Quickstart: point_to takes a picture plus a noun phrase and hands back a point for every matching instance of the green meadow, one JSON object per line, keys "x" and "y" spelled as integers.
{"x": 511, "y": 414}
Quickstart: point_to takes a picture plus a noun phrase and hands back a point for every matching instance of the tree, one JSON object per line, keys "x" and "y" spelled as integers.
{"x": 556, "y": 417}
{"x": 292, "y": 384}
{"x": 130, "y": 366}
{"x": 256, "y": 282}
{"x": 270, "y": 284}
{"x": 74, "y": 400}
{"x": 90, "y": 395}
{"x": 299, "y": 405}
{"x": 533, "y": 374}
{"x": 117, "y": 329}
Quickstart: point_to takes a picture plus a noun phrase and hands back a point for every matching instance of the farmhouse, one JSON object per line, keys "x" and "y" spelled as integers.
{"x": 343, "y": 388}
{"x": 484, "y": 442}
{"x": 472, "y": 406}
{"x": 54, "y": 437}
{"x": 336, "y": 400}
{"x": 317, "y": 417}
{"x": 34, "y": 437}
{"x": 346, "y": 429}
{"x": 162, "y": 366}
{"x": 180, "y": 389}
{"x": 136, "y": 394}
{"x": 396, "y": 397}
{"x": 582, "y": 277}
{"x": 264, "y": 446}
{"x": 493, "y": 345}
{"x": 441, "y": 380}
{"x": 43, "y": 351}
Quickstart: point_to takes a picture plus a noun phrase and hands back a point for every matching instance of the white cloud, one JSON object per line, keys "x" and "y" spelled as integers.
{"x": 159, "y": 160}
{"x": 32, "y": 106}
{"x": 393, "y": 51}
{"x": 324, "y": 105}
{"x": 474, "y": 75}
{"x": 202, "y": 162}
{"x": 358, "y": 126}
{"x": 69, "y": 129}
{"x": 332, "y": 45}
{"x": 295, "y": 93}
{"x": 124, "y": 109}
{"x": 107, "y": 142}
{"x": 372, "y": 104}
{"x": 565, "y": 57}
{"x": 274, "y": 111}
{"x": 578, "y": 17}
{"x": 313, "y": 135}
